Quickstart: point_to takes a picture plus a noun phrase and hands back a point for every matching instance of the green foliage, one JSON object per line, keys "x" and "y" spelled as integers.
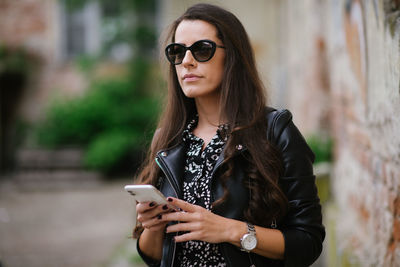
{"x": 322, "y": 146}
{"x": 145, "y": 36}
{"x": 110, "y": 121}
{"x": 143, "y": 5}
{"x": 15, "y": 60}
{"x": 116, "y": 6}
{"x": 102, "y": 151}
{"x": 86, "y": 64}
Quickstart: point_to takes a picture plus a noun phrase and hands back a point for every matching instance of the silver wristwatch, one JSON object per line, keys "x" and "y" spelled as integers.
{"x": 249, "y": 240}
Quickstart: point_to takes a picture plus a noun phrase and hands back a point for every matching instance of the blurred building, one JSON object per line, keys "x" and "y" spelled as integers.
{"x": 46, "y": 30}
{"x": 40, "y": 42}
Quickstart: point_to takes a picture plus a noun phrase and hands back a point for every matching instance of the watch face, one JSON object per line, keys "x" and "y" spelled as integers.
{"x": 249, "y": 242}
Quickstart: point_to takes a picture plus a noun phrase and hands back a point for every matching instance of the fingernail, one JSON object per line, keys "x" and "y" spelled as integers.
{"x": 170, "y": 199}
{"x": 151, "y": 204}
{"x": 165, "y": 207}
{"x": 159, "y": 216}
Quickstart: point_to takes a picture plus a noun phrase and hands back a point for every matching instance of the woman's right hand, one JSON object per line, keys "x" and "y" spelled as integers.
{"x": 149, "y": 215}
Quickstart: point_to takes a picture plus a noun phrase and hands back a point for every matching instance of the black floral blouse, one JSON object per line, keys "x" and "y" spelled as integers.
{"x": 196, "y": 190}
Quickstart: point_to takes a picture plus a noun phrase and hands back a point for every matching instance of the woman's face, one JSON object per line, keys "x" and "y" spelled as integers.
{"x": 199, "y": 79}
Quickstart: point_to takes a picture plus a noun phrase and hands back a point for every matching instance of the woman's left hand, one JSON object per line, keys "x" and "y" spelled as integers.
{"x": 198, "y": 223}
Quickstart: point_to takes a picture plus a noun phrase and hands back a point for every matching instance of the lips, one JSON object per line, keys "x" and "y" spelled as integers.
{"x": 191, "y": 77}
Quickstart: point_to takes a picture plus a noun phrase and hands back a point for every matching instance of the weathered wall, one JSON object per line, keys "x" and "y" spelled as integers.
{"x": 366, "y": 125}
{"x": 30, "y": 24}
{"x": 343, "y": 72}
{"x": 35, "y": 26}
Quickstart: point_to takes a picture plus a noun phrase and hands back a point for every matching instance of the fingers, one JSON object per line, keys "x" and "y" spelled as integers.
{"x": 183, "y": 204}
{"x": 189, "y": 212}
{"x": 154, "y": 223}
{"x": 183, "y": 227}
{"x": 149, "y": 214}
{"x": 181, "y": 216}
{"x": 144, "y": 206}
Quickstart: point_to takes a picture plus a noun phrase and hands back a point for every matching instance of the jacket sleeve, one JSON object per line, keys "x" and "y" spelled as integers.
{"x": 302, "y": 226}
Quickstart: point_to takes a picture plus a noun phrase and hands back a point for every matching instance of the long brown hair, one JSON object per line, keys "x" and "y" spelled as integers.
{"x": 242, "y": 105}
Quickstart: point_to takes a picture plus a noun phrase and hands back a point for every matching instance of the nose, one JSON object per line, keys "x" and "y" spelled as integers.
{"x": 188, "y": 59}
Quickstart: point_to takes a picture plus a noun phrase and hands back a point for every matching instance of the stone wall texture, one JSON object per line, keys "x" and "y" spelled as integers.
{"x": 36, "y": 27}
{"x": 341, "y": 61}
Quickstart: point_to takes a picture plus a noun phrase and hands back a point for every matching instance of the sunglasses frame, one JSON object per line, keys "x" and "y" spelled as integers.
{"x": 214, "y": 47}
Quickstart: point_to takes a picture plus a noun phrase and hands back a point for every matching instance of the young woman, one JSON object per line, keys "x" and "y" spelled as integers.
{"x": 240, "y": 173}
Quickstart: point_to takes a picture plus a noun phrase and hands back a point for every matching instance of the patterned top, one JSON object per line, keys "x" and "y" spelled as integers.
{"x": 196, "y": 190}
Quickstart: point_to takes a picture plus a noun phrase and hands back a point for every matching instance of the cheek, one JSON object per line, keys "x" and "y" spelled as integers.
{"x": 217, "y": 75}
{"x": 178, "y": 74}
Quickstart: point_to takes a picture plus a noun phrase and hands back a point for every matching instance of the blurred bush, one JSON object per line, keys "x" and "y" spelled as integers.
{"x": 14, "y": 60}
{"x": 110, "y": 121}
{"x": 322, "y": 146}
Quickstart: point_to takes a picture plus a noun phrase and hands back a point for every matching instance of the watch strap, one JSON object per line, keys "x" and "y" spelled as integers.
{"x": 251, "y": 230}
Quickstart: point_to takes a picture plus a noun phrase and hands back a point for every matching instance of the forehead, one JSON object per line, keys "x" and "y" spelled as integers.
{"x": 190, "y": 31}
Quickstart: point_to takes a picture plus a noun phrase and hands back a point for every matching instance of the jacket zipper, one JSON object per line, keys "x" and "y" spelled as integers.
{"x": 169, "y": 179}
{"x": 167, "y": 173}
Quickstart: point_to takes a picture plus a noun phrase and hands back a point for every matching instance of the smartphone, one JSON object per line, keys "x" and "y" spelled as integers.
{"x": 146, "y": 193}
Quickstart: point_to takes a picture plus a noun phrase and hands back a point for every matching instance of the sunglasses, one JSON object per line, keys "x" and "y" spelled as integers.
{"x": 202, "y": 51}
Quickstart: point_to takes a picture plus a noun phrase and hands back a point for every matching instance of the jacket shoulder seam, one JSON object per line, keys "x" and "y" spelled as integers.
{"x": 275, "y": 129}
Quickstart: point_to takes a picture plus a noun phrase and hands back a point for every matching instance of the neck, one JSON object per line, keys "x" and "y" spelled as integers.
{"x": 208, "y": 111}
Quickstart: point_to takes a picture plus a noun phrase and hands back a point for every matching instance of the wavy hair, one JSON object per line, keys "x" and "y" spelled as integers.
{"x": 242, "y": 105}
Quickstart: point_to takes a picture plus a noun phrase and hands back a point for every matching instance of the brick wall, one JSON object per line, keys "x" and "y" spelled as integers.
{"x": 343, "y": 71}
{"x": 366, "y": 127}
{"x": 30, "y": 24}
{"x": 35, "y": 26}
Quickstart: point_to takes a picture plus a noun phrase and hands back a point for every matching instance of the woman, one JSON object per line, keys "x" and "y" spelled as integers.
{"x": 239, "y": 173}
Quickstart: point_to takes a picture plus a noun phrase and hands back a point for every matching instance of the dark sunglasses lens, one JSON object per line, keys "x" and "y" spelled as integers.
{"x": 175, "y": 53}
{"x": 203, "y": 51}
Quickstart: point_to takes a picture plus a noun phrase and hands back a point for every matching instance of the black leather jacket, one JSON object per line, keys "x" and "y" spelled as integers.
{"x": 302, "y": 227}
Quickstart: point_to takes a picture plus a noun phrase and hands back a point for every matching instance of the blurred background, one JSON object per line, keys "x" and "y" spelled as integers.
{"x": 81, "y": 88}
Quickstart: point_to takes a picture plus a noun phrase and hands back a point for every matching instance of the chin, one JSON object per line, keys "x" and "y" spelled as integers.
{"x": 190, "y": 92}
